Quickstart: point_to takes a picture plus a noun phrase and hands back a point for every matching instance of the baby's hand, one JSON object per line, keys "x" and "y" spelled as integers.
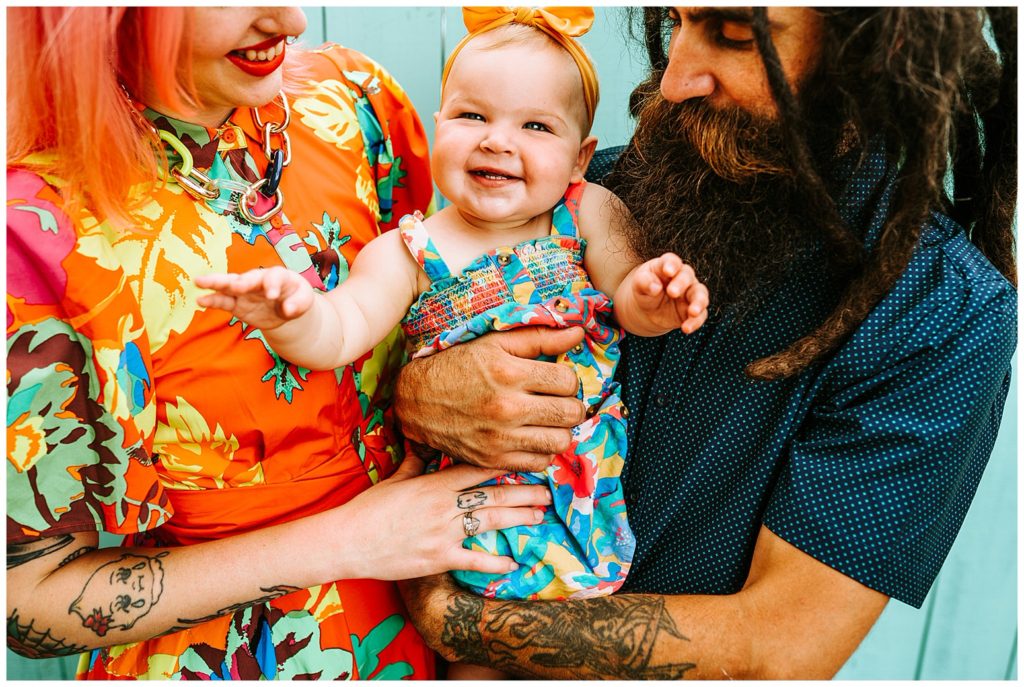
{"x": 263, "y": 298}
{"x": 668, "y": 292}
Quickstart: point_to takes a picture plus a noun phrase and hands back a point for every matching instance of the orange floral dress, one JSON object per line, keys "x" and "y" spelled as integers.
{"x": 132, "y": 410}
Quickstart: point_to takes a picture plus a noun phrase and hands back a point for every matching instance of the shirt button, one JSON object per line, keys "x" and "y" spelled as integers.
{"x": 578, "y": 348}
{"x": 625, "y": 411}
{"x": 661, "y": 400}
{"x": 561, "y": 305}
{"x": 504, "y": 259}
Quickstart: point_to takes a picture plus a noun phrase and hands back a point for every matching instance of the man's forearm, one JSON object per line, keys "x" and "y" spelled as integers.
{"x": 794, "y": 618}
{"x": 626, "y": 637}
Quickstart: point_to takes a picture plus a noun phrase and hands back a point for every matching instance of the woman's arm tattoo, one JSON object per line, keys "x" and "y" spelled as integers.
{"x": 20, "y": 554}
{"x": 26, "y": 640}
{"x": 271, "y": 594}
{"x": 610, "y": 637}
{"x": 120, "y": 592}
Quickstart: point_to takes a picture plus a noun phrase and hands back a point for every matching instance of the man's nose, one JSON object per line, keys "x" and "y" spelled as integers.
{"x": 688, "y": 74}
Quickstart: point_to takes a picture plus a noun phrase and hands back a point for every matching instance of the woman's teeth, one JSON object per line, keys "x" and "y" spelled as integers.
{"x": 262, "y": 55}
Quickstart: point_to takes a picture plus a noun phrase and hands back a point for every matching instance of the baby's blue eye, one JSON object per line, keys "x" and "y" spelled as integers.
{"x": 536, "y": 126}
{"x": 471, "y": 115}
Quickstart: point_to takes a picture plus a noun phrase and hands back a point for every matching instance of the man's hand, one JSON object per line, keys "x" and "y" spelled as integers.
{"x": 490, "y": 403}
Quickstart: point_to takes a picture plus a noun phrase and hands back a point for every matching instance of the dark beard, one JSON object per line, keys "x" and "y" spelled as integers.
{"x": 716, "y": 187}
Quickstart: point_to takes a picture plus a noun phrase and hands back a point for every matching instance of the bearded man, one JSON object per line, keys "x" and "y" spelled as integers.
{"x": 843, "y": 180}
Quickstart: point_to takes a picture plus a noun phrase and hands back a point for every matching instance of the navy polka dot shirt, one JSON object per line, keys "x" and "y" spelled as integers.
{"x": 867, "y": 461}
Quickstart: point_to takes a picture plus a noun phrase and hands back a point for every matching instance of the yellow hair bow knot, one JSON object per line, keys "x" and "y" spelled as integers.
{"x": 568, "y": 21}
{"x": 562, "y": 24}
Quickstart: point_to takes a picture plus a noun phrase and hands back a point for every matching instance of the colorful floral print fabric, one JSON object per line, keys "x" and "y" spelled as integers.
{"x": 134, "y": 411}
{"x": 584, "y": 546}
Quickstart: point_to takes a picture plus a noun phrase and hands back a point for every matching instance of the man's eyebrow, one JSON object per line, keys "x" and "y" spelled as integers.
{"x": 743, "y": 15}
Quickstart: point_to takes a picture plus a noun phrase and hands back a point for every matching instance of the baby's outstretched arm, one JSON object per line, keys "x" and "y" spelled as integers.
{"x": 322, "y": 331}
{"x": 660, "y": 295}
{"x": 649, "y": 298}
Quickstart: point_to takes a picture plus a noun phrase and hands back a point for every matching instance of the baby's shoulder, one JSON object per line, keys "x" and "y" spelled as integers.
{"x": 600, "y": 212}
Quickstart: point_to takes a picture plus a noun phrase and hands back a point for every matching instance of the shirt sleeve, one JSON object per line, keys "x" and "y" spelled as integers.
{"x": 393, "y": 136}
{"x": 881, "y": 474}
{"x": 79, "y": 383}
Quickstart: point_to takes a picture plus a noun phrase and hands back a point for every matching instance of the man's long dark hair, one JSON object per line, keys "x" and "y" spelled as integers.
{"x": 945, "y": 102}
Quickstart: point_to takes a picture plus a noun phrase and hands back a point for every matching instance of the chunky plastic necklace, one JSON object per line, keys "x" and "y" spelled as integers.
{"x": 243, "y": 196}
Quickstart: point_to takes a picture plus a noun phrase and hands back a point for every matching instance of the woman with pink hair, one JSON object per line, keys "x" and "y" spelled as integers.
{"x": 146, "y": 146}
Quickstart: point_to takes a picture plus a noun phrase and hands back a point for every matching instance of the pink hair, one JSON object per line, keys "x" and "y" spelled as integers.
{"x": 65, "y": 67}
{"x": 64, "y": 99}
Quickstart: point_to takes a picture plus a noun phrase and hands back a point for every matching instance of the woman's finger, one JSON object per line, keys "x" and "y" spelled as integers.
{"x": 498, "y": 519}
{"x": 504, "y": 495}
{"x": 463, "y": 559}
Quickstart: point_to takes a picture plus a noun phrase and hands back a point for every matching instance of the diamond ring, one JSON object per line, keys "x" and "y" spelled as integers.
{"x": 470, "y": 525}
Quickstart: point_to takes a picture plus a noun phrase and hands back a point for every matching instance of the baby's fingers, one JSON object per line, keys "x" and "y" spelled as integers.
{"x": 217, "y": 300}
{"x": 217, "y": 281}
{"x": 667, "y": 266}
{"x": 697, "y": 310}
{"x": 681, "y": 281}
{"x": 646, "y": 280}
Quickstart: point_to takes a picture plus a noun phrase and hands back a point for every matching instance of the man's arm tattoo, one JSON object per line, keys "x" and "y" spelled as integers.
{"x": 611, "y": 637}
{"x": 270, "y": 594}
{"x": 31, "y": 642}
{"x": 20, "y": 554}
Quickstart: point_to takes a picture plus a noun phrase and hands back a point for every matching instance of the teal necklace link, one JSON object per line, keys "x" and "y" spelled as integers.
{"x": 243, "y": 196}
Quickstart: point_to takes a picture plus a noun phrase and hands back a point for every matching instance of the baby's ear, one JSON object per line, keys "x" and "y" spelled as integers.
{"x": 587, "y": 148}
{"x": 436, "y": 115}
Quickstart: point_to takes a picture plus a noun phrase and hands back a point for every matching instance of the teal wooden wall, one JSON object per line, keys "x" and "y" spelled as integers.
{"x": 967, "y": 629}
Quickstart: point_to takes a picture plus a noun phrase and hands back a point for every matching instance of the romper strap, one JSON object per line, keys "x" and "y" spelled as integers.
{"x": 565, "y": 217}
{"x": 417, "y": 240}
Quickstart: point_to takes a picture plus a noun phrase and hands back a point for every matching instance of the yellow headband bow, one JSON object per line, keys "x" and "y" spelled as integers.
{"x": 560, "y": 23}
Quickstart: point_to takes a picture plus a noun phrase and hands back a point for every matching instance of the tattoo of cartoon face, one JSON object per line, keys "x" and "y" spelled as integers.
{"x": 471, "y": 499}
{"x": 610, "y": 637}
{"x": 120, "y": 592}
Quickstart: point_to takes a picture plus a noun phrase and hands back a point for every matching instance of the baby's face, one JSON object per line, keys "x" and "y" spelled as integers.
{"x": 509, "y": 136}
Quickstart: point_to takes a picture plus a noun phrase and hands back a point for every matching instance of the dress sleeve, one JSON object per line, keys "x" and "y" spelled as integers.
{"x": 881, "y": 474}
{"x": 393, "y": 135}
{"x": 79, "y": 383}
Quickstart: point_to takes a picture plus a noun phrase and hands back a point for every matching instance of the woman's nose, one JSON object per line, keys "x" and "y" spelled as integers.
{"x": 688, "y": 74}
{"x": 290, "y": 21}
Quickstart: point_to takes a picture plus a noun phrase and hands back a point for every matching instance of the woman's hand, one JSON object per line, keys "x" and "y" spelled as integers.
{"x": 263, "y": 298}
{"x": 412, "y": 525}
{"x": 488, "y": 402}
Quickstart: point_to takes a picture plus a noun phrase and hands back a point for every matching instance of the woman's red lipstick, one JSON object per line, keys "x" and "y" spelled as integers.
{"x": 258, "y": 67}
